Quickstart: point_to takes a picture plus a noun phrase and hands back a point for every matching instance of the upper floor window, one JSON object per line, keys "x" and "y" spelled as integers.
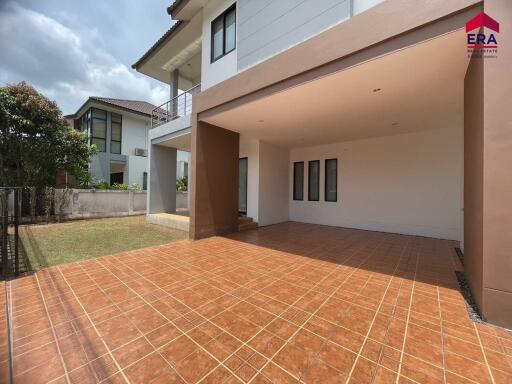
{"x": 116, "y": 133}
{"x": 99, "y": 129}
{"x": 224, "y": 33}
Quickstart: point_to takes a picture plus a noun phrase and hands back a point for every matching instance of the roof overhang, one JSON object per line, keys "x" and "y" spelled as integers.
{"x": 179, "y": 48}
{"x": 185, "y": 9}
{"x": 93, "y": 103}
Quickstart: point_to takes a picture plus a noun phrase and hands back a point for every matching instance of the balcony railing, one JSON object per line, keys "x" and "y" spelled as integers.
{"x": 178, "y": 106}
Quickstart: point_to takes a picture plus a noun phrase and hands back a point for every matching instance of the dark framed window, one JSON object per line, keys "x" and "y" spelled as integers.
{"x": 99, "y": 129}
{"x": 331, "y": 180}
{"x": 144, "y": 181}
{"x": 223, "y": 34}
{"x": 116, "y": 132}
{"x": 314, "y": 180}
{"x": 298, "y": 180}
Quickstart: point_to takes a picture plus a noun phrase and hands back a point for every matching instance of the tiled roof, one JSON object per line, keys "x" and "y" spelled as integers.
{"x": 133, "y": 105}
{"x": 173, "y": 6}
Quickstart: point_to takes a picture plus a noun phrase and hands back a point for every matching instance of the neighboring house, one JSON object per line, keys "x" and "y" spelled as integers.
{"x": 355, "y": 113}
{"x": 119, "y": 129}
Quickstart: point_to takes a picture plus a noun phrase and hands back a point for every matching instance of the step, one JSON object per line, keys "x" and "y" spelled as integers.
{"x": 244, "y": 219}
{"x": 247, "y": 226}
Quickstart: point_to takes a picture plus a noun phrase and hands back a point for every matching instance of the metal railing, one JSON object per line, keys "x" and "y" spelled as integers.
{"x": 178, "y": 106}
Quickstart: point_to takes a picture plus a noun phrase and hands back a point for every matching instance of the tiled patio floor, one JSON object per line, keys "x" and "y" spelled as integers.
{"x": 282, "y": 304}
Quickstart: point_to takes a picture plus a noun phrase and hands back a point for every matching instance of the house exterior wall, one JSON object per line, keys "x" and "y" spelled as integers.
{"x": 273, "y": 202}
{"x": 473, "y": 177}
{"x": 214, "y": 187}
{"x": 134, "y": 134}
{"x": 250, "y": 148}
{"x": 225, "y": 67}
{"x": 497, "y": 184}
{"x": 409, "y": 183}
{"x": 268, "y": 27}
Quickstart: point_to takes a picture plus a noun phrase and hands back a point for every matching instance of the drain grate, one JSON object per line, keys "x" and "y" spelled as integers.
{"x": 471, "y": 306}
{"x": 460, "y": 255}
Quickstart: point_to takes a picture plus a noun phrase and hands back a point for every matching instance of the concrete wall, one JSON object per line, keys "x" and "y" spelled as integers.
{"x": 497, "y": 183}
{"x": 267, "y": 27}
{"x": 409, "y": 183}
{"x": 273, "y": 185}
{"x": 213, "y": 73}
{"x": 251, "y": 149}
{"x": 162, "y": 180}
{"x": 87, "y": 203}
{"x": 214, "y": 188}
{"x": 473, "y": 177}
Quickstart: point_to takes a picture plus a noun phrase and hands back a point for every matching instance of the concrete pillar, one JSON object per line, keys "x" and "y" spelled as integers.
{"x": 214, "y": 209}
{"x": 162, "y": 180}
{"x": 174, "y": 90}
{"x": 488, "y": 156}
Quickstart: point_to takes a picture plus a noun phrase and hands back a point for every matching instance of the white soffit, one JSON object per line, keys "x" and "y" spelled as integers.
{"x": 417, "y": 88}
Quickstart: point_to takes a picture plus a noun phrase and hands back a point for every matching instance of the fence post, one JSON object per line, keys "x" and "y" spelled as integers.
{"x": 5, "y": 224}
{"x": 16, "y": 234}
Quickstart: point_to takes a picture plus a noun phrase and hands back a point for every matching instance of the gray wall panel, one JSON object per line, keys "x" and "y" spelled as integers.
{"x": 266, "y": 28}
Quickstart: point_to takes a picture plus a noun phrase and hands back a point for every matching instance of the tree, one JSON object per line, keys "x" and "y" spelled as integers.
{"x": 36, "y": 141}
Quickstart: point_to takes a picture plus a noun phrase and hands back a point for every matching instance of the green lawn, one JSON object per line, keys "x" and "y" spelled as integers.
{"x": 52, "y": 244}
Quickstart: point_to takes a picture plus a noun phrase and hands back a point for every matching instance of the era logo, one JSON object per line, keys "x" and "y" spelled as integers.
{"x": 482, "y": 40}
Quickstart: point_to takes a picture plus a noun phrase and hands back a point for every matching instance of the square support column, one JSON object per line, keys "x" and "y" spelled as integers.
{"x": 162, "y": 180}
{"x": 488, "y": 185}
{"x": 214, "y": 186}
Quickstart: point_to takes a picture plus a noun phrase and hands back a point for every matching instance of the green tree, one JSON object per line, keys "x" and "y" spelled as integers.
{"x": 36, "y": 141}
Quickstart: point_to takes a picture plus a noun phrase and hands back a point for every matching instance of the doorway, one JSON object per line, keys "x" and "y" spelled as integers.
{"x": 242, "y": 186}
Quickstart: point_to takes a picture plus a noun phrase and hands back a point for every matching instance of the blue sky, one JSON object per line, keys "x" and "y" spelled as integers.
{"x": 70, "y": 50}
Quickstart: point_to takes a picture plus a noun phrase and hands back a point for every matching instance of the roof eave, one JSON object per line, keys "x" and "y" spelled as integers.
{"x": 160, "y": 43}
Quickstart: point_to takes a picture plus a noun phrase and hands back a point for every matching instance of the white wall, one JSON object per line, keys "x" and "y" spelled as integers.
{"x": 250, "y": 148}
{"x": 409, "y": 183}
{"x": 273, "y": 202}
{"x": 135, "y": 134}
{"x": 213, "y": 73}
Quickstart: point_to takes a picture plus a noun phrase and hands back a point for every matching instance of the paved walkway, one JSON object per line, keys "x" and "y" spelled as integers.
{"x": 282, "y": 304}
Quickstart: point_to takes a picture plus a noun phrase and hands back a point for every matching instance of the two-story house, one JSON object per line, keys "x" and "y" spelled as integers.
{"x": 119, "y": 129}
{"x": 368, "y": 114}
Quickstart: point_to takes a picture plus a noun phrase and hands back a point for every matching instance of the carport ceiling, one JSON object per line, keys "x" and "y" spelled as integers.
{"x": 413, "y": 89}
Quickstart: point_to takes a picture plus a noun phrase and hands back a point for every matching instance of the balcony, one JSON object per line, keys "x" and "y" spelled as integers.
{"x": 175, "y": 108}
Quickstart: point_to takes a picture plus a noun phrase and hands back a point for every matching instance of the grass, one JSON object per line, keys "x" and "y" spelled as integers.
{"x": 52, "y": 244}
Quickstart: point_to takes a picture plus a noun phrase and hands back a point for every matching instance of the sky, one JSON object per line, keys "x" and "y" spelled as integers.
{"x": 70, "y": 49}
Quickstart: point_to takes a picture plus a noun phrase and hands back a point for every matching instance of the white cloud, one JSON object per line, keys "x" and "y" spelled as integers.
{"x": 66, "y": 64}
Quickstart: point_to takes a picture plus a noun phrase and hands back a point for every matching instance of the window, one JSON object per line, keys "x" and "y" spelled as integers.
{"x": 99, "y": 129}
{"x": 314, "y": 180}
{"x": 224, "y": 34}
{"x": 116, "y": 133}
{"x": 144, "y": 181}
{"x": 331, "y": 180}
{"x": 298, "y": 180}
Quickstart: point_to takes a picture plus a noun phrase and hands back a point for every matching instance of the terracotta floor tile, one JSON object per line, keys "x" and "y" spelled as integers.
{"x": 131, "y": 352}
{"x": 320, "y": 372}
{"x": 147, "y": 369}
{"x": 178, "y": 349}
{"x": 324, "y": 283}
{"x": 292, "y": 359}
{"x": 196, "y": 365}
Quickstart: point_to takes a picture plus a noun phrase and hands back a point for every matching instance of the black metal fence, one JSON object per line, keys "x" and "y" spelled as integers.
{"x": 10, "y": 209}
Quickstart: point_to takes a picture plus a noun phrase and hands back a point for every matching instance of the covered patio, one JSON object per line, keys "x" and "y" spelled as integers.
{"x": 287, "y": 303}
